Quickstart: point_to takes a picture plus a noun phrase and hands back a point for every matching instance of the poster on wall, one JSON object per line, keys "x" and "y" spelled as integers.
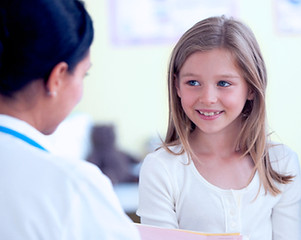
{"x": 288, "y": 16}
{"x": 160, "y": 21}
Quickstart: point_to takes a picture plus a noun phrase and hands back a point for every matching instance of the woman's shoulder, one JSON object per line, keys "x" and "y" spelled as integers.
{"x": 75, "y": 171}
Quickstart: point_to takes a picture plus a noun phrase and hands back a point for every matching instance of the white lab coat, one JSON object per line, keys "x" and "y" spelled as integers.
{"x": 43, "y": 196}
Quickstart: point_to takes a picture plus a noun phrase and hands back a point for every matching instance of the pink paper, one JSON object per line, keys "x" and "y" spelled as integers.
{"x": 157, "y": 233}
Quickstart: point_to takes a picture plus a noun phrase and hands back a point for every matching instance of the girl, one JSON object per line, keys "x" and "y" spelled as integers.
{"x": 44, "y": 56}
{"x": 217, "y": 171}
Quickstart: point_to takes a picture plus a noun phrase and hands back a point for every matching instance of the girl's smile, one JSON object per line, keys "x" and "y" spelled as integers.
{"x": 209, "y": 114}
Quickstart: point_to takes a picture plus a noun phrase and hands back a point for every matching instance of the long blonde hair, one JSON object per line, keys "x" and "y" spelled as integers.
{"x": 237, "y": 38}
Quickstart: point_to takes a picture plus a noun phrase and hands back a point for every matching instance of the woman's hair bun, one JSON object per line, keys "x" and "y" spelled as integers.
{"x": 35, "y": 35}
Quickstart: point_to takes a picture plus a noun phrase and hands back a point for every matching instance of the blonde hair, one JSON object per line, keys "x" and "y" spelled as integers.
{"x": 237, "y": 38}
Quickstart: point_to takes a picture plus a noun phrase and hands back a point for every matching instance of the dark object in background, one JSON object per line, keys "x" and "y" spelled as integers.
{"x": 117, "y": 165}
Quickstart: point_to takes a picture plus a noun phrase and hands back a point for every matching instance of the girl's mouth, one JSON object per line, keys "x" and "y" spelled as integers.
{"x": 209, "y": 114}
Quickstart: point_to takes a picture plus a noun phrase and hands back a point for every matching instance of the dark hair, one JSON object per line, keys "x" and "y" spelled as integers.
{"x": 35, "y": 35}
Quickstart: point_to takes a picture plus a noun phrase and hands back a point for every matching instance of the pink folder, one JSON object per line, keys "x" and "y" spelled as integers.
{"x": 157, "y": 233}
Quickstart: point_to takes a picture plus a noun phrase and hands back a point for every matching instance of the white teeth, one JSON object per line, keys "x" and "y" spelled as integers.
{"x": 207, "y": 114}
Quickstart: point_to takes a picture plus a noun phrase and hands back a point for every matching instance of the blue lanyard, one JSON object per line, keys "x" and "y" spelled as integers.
{"x": 21, "y": 136}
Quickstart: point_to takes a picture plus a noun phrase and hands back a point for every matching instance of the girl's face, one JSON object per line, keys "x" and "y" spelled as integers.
{"x": 212, "y": 91}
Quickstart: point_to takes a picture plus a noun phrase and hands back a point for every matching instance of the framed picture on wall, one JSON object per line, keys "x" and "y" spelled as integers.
{"x": 288, "y": 16}
{"x": 160, "y": 21}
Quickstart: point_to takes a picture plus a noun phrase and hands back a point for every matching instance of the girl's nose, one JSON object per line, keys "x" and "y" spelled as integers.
{"x": 208, "y": 95}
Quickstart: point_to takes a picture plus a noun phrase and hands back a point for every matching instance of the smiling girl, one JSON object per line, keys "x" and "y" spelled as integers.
{"x": 217, "y": 171}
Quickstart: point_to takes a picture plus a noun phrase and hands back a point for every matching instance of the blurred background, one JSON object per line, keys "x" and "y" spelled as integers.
{"x": 126, "y": 88}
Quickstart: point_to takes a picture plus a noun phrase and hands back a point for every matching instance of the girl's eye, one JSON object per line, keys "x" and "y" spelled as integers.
{"x": 193, "y": 83}
{"x": 223, "y": 84}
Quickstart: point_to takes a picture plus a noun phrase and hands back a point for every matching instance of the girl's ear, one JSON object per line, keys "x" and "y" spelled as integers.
{"x": 56, "y": 77}
{"x": 250, "y": 94}
{"x": 176, "y": 83}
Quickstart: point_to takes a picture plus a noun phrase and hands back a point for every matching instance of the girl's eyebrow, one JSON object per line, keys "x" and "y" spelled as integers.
{"x": 188, "y": 75}
{"x": 226, "y": 75}
{"x": 229, "y": 75}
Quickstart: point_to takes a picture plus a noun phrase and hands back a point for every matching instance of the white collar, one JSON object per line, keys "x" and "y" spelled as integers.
{"x": 26, "y": 129}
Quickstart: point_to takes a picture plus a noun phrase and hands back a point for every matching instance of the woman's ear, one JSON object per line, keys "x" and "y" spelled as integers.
{"x": 56, "y": 77}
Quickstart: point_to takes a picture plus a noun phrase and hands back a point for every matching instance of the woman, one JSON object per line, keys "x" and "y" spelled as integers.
{"x": 44, "y": 52}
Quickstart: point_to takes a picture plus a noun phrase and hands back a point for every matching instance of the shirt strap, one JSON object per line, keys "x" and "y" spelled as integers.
{"x": 21, "y": 136}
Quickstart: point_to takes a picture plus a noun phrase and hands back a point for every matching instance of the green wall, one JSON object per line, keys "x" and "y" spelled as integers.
{"x": 126, "y": 86}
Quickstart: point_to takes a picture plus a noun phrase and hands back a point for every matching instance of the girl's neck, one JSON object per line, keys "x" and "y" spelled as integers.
{"x": 218, "y": 160}
{"x": 222, "y": 144}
